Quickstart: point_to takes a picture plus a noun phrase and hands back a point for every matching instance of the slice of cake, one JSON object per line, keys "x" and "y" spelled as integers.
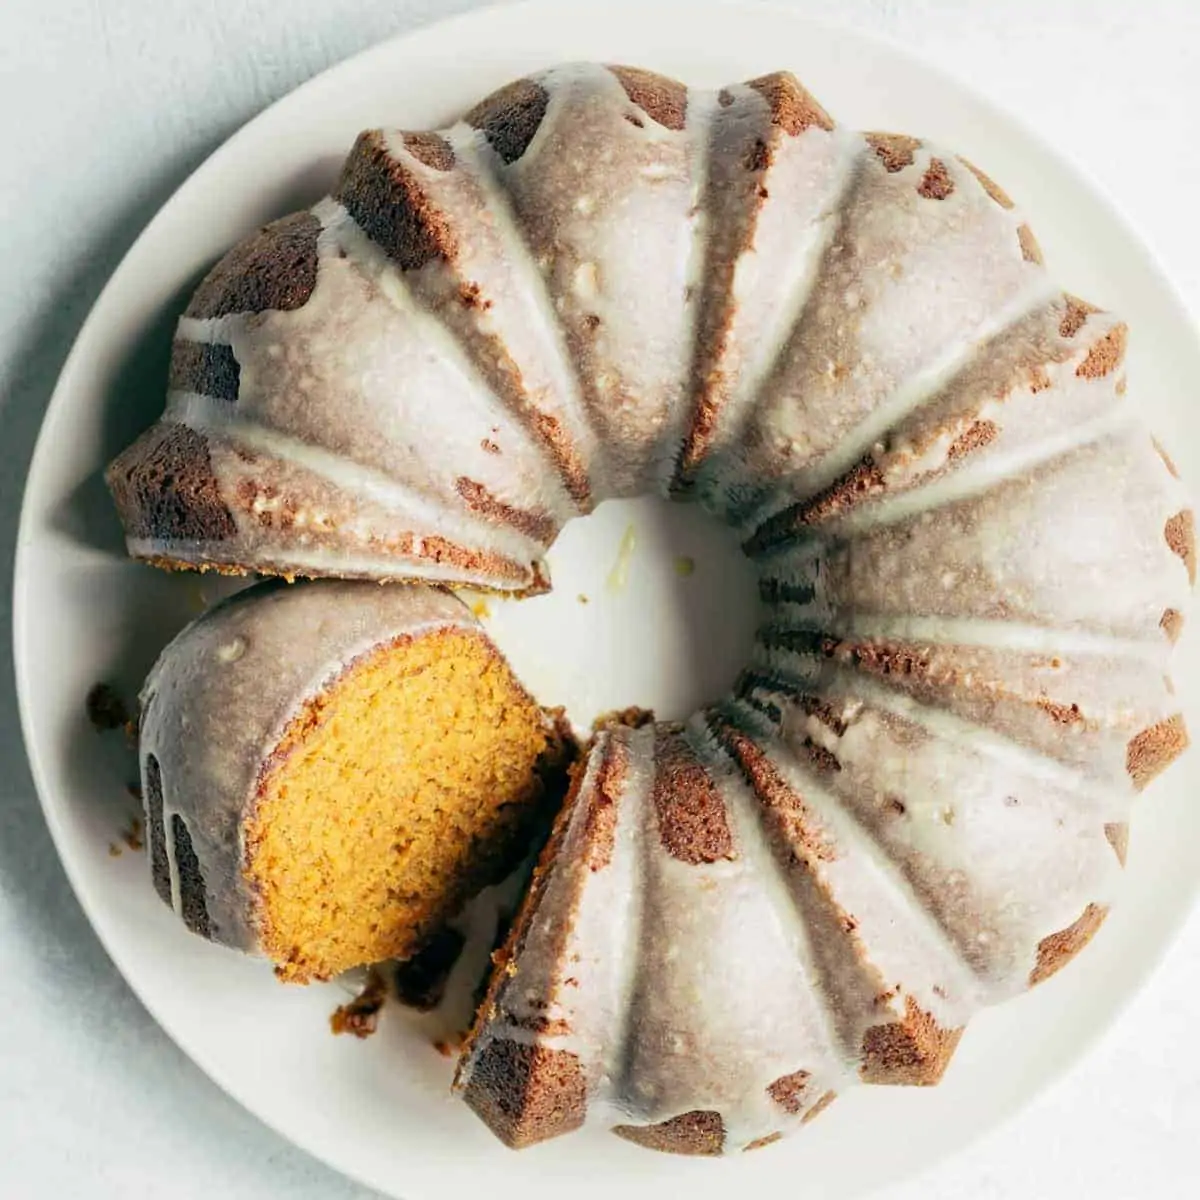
{"x": 330, "y": 770}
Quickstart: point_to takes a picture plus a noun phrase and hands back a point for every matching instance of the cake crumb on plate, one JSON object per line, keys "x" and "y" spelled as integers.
{"x": 360, "y": 1016}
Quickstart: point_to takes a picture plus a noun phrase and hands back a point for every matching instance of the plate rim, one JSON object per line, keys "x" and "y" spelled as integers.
{"x": 335, "y": 73}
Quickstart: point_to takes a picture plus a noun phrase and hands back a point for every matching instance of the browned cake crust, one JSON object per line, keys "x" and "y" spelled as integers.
{"x": 817, "y": 1109}
{"x": 861, "y": 482}
{"x": 1171, "y": 623}
{"x": 663, "y": 100}
{"x": 936, "y": 183}
{"x": 274, "y": 268}
{"x": 209, "y": 368}
{"x": 914, "y": 1052}
{"x": 696, "y": 1133}
{"x": 780, "y": 591}
{"x": 1117, "y": 833}
{"x": 790, "y": 1091}
{"x": 430, "y": 148}
{"x": 1147, "y": 755}
{"x": 192, "y": 902}
{"x": 388, "y": 203}
{"x": 1106, "y": 355}
{"x": 164, "y": 488}
{"x": 692, "y": 822}
{"x": 600, "y": 825}
{"x": 526, "y": 1094}
{"x": 989, "y": 185}
{"x": 1168, "y": 462}
{"x": 895, "y": 150}
{"x": 1154, "y": 749}
{"x": 160, "y": 869}
{"x": 539, "y": 526}
{"x": 510, "y": 117}
{"x": 793, "y": 108}
{"x": 1076, "y": 314}
{"x": 1055, "y": 951}
{"x": 1030, "y": 250}
{"x": 1180, "y": 533}
{"x": 435, "y": 550}
{"x": 769, "y": 1140}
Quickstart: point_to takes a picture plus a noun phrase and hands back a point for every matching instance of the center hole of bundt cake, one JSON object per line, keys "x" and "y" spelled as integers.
{"x": 653, "y": 605}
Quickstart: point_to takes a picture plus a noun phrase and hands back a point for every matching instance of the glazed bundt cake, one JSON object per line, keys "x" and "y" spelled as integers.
{"x": 298, "y": 806}
{"x": 973, "y": 561}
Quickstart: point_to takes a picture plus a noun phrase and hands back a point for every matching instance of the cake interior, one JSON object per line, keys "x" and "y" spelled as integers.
{"x": 369, "y": 830}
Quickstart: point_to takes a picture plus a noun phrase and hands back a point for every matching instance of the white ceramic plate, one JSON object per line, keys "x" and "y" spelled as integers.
{"x": 379, "y": 1110}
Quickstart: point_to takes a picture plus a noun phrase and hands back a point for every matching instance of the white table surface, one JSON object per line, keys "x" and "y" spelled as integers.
{"x": 105, "y": 106}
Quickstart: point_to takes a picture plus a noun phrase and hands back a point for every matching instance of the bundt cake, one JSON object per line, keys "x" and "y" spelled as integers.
{"x": 298, "y": 806}
{"x": 972, "y": 557}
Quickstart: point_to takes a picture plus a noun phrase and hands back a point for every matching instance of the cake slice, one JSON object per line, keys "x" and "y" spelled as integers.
{"x": 330, "y": 770}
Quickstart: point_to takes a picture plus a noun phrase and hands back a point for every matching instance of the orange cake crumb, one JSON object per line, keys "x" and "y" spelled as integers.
{"x": 360, "y": 1016}
{"x": 396, "y": 794}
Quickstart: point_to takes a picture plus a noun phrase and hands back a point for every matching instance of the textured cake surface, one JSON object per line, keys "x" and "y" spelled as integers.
{"x": 972, "y": 557}
{"x": 297, "y": 803}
